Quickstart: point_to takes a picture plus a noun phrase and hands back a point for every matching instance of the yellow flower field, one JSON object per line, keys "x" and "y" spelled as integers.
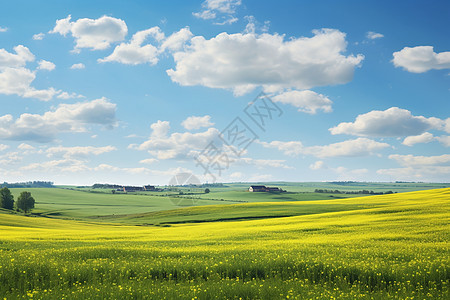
{"x": 394, "y": 246}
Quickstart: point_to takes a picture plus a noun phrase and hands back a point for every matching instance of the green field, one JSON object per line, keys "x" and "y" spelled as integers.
{"x": 375, "y": 247}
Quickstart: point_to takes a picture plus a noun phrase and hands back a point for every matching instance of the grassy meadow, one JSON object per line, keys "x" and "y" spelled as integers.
{"x": 375, "y": 247}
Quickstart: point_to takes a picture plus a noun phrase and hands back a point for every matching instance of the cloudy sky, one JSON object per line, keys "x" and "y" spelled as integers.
{"x": 132, "y": 92}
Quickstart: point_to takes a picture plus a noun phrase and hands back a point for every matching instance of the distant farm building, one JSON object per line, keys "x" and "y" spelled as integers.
{"x": 127, "y": 189}
{"x": 263, "y": 188}
{"x": 257, "y": 188}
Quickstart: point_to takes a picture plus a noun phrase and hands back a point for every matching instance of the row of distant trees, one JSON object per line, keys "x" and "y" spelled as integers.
{"x": 25, "y": 202}
{"x": 364, "y": 192}
{"x": 28, "y": 184}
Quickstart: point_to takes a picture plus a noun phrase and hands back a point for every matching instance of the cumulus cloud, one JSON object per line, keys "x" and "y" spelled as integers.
{"x": 244, "y": 61}
{"x": 10, "y": 158}
{"x": 25, "y": 147}
{"x": 318, "y": 165}
{"x": 421, "y": 59}
{"x": 427, "y": 168}
{"x": 148, "y": 161}
{"x": 391, "y": 122}
{"x": 292, "y": 148}
{"x": 423, "y": 173}
{"x": 135, "y": 52}
{"x": 57, "y": 166}
{"x": 177, "y": 145}
{"x": 264, "y": 163}
{"x": 78, "y": 66}
{"x": 38, "y": 36}
{"x": 222, "y": 9}
{"x": 306, "y": 101}
{"x": 425, "y": 137}
{"x": 3, "y": 147}
{"x": 17, "y": 81}
{"x": 96, "y": 34}
{"x": 46, "y": 65}
{"x": 444, "y": 140}
{"x": 66, "y": 95}
{"x": 349, "y": 148}
{"x": 19, "y": 59}
{"x": 65, "y": 118}
{"x": 197, "y": 122}
{"x": 373, "y": 35}
{"x": 78, "y": 151}
{"x": 411, "y": 160}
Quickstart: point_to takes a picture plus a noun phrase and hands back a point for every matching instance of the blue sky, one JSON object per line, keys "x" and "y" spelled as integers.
{"x": 135, "y": 92}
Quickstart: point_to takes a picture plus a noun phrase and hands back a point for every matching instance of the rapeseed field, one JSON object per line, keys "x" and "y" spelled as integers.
{"x": 389, "y": 246}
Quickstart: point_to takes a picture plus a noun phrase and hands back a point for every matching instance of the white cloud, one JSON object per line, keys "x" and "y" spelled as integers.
{"x": 176, "y": 40}
{"x": 97, "y": 34}
{"x": 134, "y": 52}
{"x": 25, "y": 147}
{"x": 423, "y": 173}
{"x": 411, "y": 160}
{"x": 3, "y": 147}
{"x": 177, "y": 145}
{"x": 66, "y": 95}
{"x": 78, "y": 151}
{"x": 38, "y": 36}
{"x": 292, "y": 148}
{"x": 425, "y": 168}
{"x": 388, "y": 123}
{"x": 18, "y": 80}
{"x": 227, "y": 21}
{"x": 57, "y": 166}
{"x": 260, "y": 178}
{"x": 78, "y": 66}
{"x": 318, "y": 165}
{"x": 3, "y": 29}
{"x": 15, "y": 79}
{"x": 197, "y": 122}
{"x": 223, "y": 8}
{"x": 421, "y": 59}
{"x": 205, "y": 15}
{"x": 20, "y": 59}
{"x": 10, "y": 158}
{"x": 65, "y": 118}
{"x": 373, "y": 35}
{"x": 445, "y": 140}
{"x": 306, "y": 101}
{"x": 349, "y": 148}
{"x": 46, "y": 65}
{"x": 447, "y": 125}
{"x": 242, "y": 62}
{"x": 160, "y": 129}
{"x": 264, "y": 163}
{"x": 148, "y": 161}
{"x": 425, "y": 137}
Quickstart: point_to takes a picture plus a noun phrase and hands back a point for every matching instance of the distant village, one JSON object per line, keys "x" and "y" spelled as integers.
{"x": 152, "y": 188}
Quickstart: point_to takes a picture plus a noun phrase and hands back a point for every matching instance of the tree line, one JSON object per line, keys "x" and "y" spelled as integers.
{"x": 28, "y": 184}
{"x": 25, "y": 202}
{"x": 363, "y": 192}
